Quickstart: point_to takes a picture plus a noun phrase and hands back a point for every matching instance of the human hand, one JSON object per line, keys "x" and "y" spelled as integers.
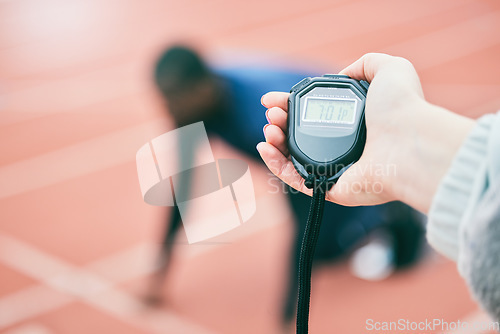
{"x": 404, "y": 156}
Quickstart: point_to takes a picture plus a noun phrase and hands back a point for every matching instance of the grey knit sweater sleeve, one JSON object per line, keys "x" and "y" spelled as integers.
{"x": 464, "y": 219}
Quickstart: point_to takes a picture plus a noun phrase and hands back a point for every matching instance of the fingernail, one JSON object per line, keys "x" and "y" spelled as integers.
{"x": 264, "y": 129}
{"x": 262, "y": 99}
{"x": 267, "y": 117}
{"x": 257, "y": 147}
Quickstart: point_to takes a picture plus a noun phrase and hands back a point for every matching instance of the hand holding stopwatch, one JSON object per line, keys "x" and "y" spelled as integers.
{"x": 326, "y": 135}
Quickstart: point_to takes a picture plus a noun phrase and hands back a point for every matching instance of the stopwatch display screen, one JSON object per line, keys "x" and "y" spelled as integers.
{"x": 329, "y": 110}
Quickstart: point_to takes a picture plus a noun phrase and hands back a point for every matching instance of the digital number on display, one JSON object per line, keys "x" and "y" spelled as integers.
{"x": 323, "y": 110}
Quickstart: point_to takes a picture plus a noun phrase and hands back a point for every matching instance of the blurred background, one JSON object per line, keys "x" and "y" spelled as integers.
{"x": 77, "y": 242}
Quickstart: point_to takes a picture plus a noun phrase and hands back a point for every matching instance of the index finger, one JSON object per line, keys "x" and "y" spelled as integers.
{"x": 275, "y": 99}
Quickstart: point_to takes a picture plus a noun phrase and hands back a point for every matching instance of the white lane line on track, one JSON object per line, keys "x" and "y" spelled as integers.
{"x": 29, "y": 303}
{"x": 96, "y": 282}
{"x": 475, "y": 32}
{"x": 31, "y": 328}
{"x": 76, "y": 160}
{"x": 65, "y": 283}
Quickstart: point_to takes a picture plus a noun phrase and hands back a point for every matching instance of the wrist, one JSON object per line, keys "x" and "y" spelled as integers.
{"x": 433, "y": 137}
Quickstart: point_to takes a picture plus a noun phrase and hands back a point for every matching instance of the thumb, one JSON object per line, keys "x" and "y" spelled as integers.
{"x": 368, "y": 65}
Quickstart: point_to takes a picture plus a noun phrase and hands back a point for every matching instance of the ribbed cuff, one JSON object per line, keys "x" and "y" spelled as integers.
{"x": 453, "y": 197}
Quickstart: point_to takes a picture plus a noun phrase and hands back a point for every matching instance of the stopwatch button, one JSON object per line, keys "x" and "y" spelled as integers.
{"x": 336, "y": 76}
{"x": 301, "y": 84}
{"x": 365, "y": 84}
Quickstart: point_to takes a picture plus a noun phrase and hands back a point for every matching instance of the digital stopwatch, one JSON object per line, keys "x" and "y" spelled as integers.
{"x": 326, "y": 135}
{"x": 326, "y": 124}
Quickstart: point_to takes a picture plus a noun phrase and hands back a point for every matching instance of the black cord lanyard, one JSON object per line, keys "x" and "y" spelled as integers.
{"x": 319, "y": 186}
